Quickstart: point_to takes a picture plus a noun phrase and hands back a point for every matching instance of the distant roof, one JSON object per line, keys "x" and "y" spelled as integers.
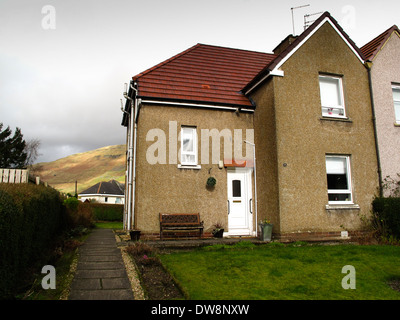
{"x": 371, "y": 49}
{"x": 203, "y": 74}
{"x": 111, "y": 187}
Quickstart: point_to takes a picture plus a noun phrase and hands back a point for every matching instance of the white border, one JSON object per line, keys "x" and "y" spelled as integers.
{"x": 196, "y": 105}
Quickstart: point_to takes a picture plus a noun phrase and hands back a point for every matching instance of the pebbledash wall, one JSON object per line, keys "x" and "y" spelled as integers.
{"x": 385, "y": 72}
{"x": 166, "y": 188}
{"x": 293, "y": 140}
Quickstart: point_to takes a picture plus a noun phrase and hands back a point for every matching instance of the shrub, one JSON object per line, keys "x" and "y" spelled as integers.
{"x": 79, "y": 213}
{"x": 139, "y": 249}
{"x": 31, "y": 217}
{"x": 391, "y": 186}
{"x": 71, "y": 203}
{"x": 386, "y": 216}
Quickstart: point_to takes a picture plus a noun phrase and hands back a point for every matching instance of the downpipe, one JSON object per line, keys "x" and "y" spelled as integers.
{"x": 368, "y": 64}
{"x": 131, "y": 128}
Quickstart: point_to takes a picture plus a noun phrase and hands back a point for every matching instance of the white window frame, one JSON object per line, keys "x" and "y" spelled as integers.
{"x": 397, "y": 88}
{"x": 191, "y": 153}
{"x": 341, "y": 107}
{"x": 349, "y": 184}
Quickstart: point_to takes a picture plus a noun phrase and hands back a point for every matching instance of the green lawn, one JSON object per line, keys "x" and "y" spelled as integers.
{"x": 275, "y": 271}
{"x": 109, "y": 225}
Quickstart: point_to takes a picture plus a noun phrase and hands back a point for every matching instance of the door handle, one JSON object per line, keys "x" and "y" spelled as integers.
{"x": 250, "y": 202}
{"x": 229, "y": 207}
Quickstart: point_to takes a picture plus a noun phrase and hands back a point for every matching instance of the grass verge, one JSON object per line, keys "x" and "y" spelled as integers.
{"x": 64, "y": 260}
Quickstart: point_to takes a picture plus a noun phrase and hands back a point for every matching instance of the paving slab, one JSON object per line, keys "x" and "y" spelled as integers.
{"x": 100, "y": 272}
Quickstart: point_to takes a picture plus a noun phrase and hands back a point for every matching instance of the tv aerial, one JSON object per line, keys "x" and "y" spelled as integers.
{"x": 309, "y": 22}
{"x": 294, "y": 8}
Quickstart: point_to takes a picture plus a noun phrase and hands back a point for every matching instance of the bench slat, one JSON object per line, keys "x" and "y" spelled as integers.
{"x": 180, "y": 221}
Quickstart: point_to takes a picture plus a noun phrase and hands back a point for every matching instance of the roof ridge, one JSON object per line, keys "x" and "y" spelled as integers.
{"x": 230, "y": 48}
{"x": 198, "y": 45}
{"x": 165, "y": 62}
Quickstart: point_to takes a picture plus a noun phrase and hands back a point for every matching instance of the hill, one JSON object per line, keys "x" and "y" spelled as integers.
{"x": 88, "y": 168}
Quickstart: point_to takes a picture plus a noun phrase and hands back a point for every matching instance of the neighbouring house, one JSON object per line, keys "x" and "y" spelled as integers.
{"x": 305, "y": 110}
{"x": 104, "y": 192}
{"x": 384, "y": 54}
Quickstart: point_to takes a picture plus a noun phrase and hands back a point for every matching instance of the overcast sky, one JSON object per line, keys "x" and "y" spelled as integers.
{"x": 63, "y": 68}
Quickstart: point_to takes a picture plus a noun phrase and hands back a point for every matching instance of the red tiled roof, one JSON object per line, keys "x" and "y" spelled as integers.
{"x": 203, "y": 74}
{"x": 371, "y": 49}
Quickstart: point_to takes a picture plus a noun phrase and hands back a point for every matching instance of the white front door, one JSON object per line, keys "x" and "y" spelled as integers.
{"x": 240, "y": 220}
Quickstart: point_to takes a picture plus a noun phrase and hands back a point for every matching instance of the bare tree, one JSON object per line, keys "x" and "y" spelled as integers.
{"x": 32, "y": 151}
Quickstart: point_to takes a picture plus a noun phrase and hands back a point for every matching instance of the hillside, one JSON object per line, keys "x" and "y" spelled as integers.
{"x": 88, "y": 168}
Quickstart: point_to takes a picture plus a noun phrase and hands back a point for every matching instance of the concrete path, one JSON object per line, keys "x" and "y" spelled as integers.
{"x": 100, "y": 273}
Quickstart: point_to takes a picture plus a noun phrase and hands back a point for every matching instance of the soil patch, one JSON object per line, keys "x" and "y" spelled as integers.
{"x": 395, "y": 284}
{"x": 155, "y": 280}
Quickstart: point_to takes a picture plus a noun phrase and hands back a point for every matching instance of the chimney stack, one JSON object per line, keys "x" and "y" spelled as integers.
{"x": 284, "y": 44}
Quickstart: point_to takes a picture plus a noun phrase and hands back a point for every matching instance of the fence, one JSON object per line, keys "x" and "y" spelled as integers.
{"x": 14, "y": 175}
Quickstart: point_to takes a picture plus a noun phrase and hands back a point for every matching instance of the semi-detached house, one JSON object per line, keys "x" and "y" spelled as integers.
{"x": 383, "y": 55}
{"x": 288, "y": 136}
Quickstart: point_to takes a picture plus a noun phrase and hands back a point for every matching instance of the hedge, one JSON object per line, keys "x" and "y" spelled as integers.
{"x": 388, "y": 211}
{"x": 30, "y": 218}
{"x": 107, "y": 212}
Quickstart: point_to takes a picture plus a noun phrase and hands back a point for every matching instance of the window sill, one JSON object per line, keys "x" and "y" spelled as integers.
{"x": 336, "y": 119}
{"x": 397, "y": 124}
{"x": 349, "y": 206}
{"x": 196, "y": 167}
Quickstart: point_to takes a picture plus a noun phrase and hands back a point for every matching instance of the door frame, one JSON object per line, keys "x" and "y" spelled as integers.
{"x": 248, "y": 188}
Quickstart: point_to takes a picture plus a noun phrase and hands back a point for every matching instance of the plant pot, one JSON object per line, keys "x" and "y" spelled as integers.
{"x": 219, "y": 233}
{"x": 265, "y": 231}
{"x": 135, "y": 235}
{"x": 211, "y": 181}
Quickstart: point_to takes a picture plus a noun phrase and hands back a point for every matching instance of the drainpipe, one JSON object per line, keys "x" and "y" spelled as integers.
{"x": 127, "y": 193}
{"x": 137, "y": 103}
{"x": 368, "y": 64}
{"x": 255, "y": 178}
{"x": 131, "y": 157}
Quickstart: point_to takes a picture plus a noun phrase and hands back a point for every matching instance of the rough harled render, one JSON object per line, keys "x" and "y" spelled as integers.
{"x": 301, "y": 137}
{"x": 384, "y": 53}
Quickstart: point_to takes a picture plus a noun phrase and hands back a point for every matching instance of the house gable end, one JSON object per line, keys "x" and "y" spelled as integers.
{"x": 352, "y": 47}
{"x": 273, "y": 69}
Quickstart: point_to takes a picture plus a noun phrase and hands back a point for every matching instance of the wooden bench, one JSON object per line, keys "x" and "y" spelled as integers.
{"x": 180, "y": 221}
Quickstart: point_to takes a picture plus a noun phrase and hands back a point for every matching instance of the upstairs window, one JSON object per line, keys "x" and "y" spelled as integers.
{"x": 339, "y": 179}
{"x": 188, "y": 146}
{"x": 396, "y": 101}
{"x": 332, "y": 101}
